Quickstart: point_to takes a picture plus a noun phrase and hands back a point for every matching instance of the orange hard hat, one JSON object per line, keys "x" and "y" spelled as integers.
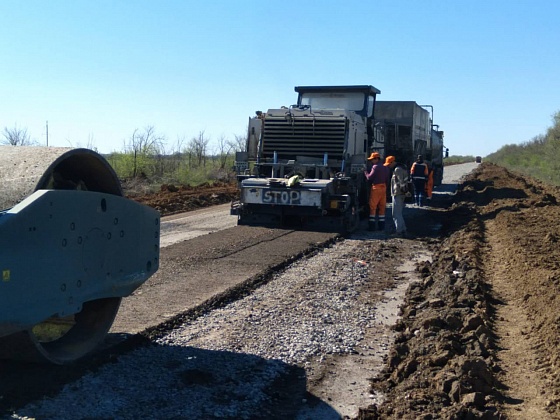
{"x": 389, "y": 160}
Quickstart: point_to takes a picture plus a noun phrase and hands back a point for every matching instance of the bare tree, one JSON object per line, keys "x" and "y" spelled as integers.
{"x": 224, "y": 148}
{"x": 197, "y": 148}
{"x": 16, "y": 137}
{"x": 240, "y": 143}
{"x": 179, "y": 145}
{"x": 91, "y": 143}
{"x": 173, "y": 157}
{"x": 142, "y": 145}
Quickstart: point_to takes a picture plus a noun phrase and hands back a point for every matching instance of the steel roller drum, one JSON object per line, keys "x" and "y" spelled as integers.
{"x": 24, "y": 170}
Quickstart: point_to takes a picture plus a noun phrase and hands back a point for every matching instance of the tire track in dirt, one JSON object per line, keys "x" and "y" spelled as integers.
{"x": 517, "y": 355}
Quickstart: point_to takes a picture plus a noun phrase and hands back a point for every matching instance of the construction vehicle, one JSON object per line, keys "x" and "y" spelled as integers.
{"x": 408, "y": 132}
{"x": 306, "y": 162}
{"x": 71, "y": 247}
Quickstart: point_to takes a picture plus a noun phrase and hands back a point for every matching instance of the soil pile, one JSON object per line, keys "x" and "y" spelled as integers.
{"x": 173, "y": 199}
{"x": 478, "y": 337}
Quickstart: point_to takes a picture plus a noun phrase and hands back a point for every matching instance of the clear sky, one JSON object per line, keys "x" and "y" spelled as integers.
{"x": 97, "y": 70}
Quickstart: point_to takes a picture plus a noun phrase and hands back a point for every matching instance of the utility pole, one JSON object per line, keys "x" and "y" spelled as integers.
{"x": 47, "y": 134}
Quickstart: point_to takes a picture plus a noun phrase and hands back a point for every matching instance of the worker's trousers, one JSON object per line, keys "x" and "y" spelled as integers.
{"x": 377, "y": 204}
{"x": 419, "y": 190}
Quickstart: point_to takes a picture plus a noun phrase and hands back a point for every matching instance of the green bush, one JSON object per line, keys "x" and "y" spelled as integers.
{"x": 539, "y": 157}
{"x": 175, "y": 169}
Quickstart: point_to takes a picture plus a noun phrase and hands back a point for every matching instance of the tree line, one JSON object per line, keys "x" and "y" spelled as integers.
{"x": 147, "y": 155}
{"x": 538, "y": 157}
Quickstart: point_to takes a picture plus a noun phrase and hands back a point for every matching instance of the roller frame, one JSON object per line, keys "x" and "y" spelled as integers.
{"x": 70, "y": 248}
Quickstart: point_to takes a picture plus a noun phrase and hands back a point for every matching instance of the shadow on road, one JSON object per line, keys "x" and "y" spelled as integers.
{"x": 162, "y": 381}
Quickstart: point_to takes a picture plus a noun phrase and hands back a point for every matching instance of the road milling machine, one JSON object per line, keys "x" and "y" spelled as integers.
{"x": 307, "y": 161}
{"x": 71, "y": 247}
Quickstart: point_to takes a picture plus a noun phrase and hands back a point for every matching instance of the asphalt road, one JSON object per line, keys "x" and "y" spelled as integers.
{"x": 184, "y": 226}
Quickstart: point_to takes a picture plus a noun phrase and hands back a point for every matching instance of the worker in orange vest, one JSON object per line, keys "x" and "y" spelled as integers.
{"x": 378, "y": 175}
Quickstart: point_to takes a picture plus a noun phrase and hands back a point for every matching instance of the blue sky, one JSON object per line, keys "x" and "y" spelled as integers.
{"x": 98, "y": 70}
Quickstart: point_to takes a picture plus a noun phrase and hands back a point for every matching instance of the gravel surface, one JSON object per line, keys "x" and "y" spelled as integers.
{"x": 253, "y": 358}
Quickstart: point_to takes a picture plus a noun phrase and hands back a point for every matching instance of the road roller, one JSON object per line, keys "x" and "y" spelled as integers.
{"x": 71, "y": 247}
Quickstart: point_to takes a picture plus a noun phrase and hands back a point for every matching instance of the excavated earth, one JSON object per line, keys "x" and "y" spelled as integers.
{"x": 477, "y": 335}
{"x": 173, "y": 199}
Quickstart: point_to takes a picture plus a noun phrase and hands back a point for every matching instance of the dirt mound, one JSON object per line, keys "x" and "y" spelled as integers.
{"x": 478, "y": 337}
{"x": 173, "y": 199}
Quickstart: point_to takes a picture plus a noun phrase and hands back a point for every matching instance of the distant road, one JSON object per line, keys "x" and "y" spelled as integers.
{"x": 452, "y": 176}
